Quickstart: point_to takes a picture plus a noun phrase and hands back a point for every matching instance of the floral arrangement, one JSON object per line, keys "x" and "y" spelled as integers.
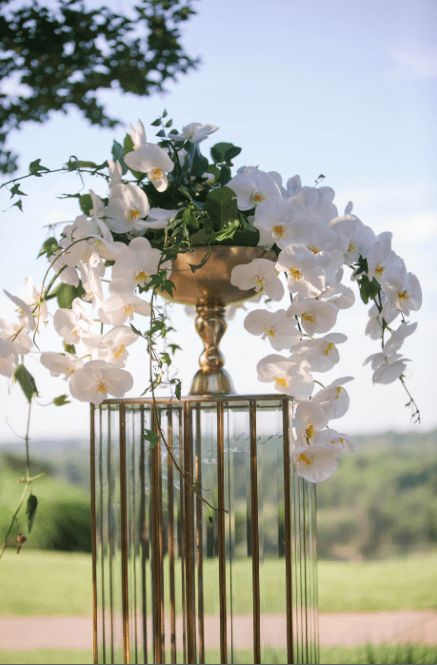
{"x": 167, "y": 197}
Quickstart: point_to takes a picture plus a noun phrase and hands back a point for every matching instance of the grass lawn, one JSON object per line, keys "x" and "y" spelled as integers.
{"x": 58, "y": 583}
{"x": 406, "y": 654}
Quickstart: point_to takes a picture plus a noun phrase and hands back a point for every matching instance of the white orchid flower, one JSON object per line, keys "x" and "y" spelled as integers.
{"x": 277, "y": 327}
{"x": 387, "y": 365}
{"x": 334, "y": 399}
{"x": 325, "y": 207}
{"x": 120, "y": 307}
{"x": 74, "y": 324}
{"x": 290, "y": 375}
{"x": 59, "y": 363}
{"x": 360, "y": 238}
{"x": 194, "y": 132}
{"x": 127, "y": 208}
{"x": 154, "y": 161}
{"x": 322, "y": 353}
{"x": 96, "y": 379}
{"x": 374, "y": 325}
{"x": 381, "y": 256}
{"x": 138, "y": 136}
{"x": 112, "y": 346}
{"x": 316, "y": 462}
{"x": 339, "y": 295}
{"x": 136, "y": 263}
{"x": 8, "y": 357}
{"x": 23, "y": 310}
{"x": 115, "y": 171}
{"x": 342, "y": 441}
{"x": 305, "y": 271}
{"x": 14, "y": 333}
{"x": 403, "y": 291}
{"x": 315, "y": 316}
{"x": 258, "y": 274}
{"x": 309, "y": 418}
{"x": 253, "y": 186}
{"x": 91, "y": 280}
{"x": 273, "y": 218}
{"x": 32, "y": 299}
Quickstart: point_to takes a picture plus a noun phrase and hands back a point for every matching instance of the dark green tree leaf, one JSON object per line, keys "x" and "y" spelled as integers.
{"x": 86, "y": 203}
{"x": 224, "y": 152}
{"x": 221, "y": 206}
{"x": 66, "y": 293}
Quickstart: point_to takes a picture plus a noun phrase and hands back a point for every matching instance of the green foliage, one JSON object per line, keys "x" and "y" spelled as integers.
{"x": 26, "y": 381}
{"x": 50, "y": 247}
{"x": 66, "y": 293}
{"x": 86, "y": 203}
{"x": 46, "y": 49}
{"x": 224, "y": 153}
{"x": 152, "y": 437}
{"x": 32, "y": 505}
{"x": 61, "y": 400}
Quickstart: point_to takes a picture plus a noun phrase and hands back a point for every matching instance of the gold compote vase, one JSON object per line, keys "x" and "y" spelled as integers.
{"x": 209, "y": 288}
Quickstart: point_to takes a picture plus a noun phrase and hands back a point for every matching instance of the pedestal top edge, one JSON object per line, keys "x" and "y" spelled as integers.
{"x": 196, "y": 398}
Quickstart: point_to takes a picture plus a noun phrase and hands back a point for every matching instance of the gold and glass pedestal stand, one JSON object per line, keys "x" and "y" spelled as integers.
{"x": 178, "y": 582}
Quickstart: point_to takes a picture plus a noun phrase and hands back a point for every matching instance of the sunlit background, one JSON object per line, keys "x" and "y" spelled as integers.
{"x": 340, "y": 88}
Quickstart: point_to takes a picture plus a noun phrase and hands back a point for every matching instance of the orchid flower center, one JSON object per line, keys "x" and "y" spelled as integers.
{"x": 314, "y": 250}
{"x": 304, "y": 458}
{"x": 310, "y": 431}
{"x": 351, "y": 247}
{"x": 156, "y": 174}
{"x": 141, "y": 277}
{"x": 296, "y": 274}
{"x": 257, "y": 197}
{"x": 270, "y": 332}
{"x": 281, "y": 381}
{"x": 279, "y": 231}
{"x": 339, "y": 389}
{"x": 379, "y": 270}
{"x": 132, "y": 214}
{"x": 120, "y": 351}
{"x": 102, "y": 388}
{"x": 329, "y": 348}
{"x": 308, "y": 317}
{"x": 403, "y": 295}
{"x": 260, "y": 281}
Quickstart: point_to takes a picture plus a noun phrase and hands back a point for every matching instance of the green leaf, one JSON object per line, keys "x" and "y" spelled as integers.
{"x": 165, "y": 358}
{"x": 174, "y": 348}
{"x": 49, "y": 248}
{"x": 118, "y": 155}
{"x": 178, "y": 389}
{"x": 202, "y": 237}
{"x": 36, "y": 167}
{"x": 66, "y": 293}
{"x": 168, "y": 123}
{"x": 165, "y": 113}
{"x": 198, "y": 164}
{"x": 168, "y": 286}
{"x": 368, "y": 289}
{"x": 19, "y": 204}
{"x": 161, "y": 133}
{"x": 156, "y": 122}
{"x": 86, "y": 203}
{"x": 26, "y": 381}
{"x": 229, "y": 231}
{"x": 152, "y": 437}
{"x": 193, "y": 267}
{"x": 136, "y": 331}
{"x": 221, "y": 206}
{"x": 69, "y": 348}
{"x": 32, "y": 505}
{"x": 224, "y": 152}
{"x": 15, "y": 191}
{"x": 61, "y": 400}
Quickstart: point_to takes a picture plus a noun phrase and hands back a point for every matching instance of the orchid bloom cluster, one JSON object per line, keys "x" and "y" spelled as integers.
{"x": 178, "y": 199}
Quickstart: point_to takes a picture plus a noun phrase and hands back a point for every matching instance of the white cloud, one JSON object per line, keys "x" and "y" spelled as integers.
{"x": 420, "y": 62}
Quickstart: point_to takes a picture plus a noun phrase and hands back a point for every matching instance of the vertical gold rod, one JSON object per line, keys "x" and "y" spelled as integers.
{"x": 301, "y": 556}
{"x": 93, "y": 529}
{"x": 133, "y": 497}
{"x": 156, "y": 552}
{"x": 315, "y": 577}
{"x": 161, "y": 547}
{"x": 189, "y": 571}
{"x": 305, "y": 549}
{"x": 181, "y": 529}
{"x": 171, "y": 537}
{"x": 144, "y": 534}
{"x": 255, "y": 534}
{"x": 199, "y": 540}
{"x": 101, "y": 533}
{"x": 124, "y": 536}
{"x": 221, "y": 531}
{"x": 287, "y": 517}
{"x": 112, "y": 544}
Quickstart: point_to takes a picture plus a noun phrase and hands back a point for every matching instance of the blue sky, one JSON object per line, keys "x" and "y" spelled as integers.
{"x": 341, "y": 88}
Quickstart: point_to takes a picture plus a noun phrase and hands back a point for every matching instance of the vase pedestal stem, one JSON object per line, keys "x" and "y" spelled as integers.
{"x": 211, "y": 378}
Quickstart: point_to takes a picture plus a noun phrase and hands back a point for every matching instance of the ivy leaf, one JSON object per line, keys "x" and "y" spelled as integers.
{"x": 32, "y": 505}
{"x": 368, "y": 289}
{"x": 19, "y": 204}
{"x": 174, "y": 348}
{"x": 86, "y": 203}
{"x": 178, "y": 389}
{"x": 26, "y": 381}
{"x": 168, "y": 286}
{"x": 118, "y": 155}
{"x": 152, "y": 437}
{"x": 229, "y": 231}
{"x": 36, "y": 167}
{"x": 66, "y": 293}
{"x": 49, "y": 248}
{"x": 193, "y": 268}
{"x": 16, "y": 191}
{"x": 61, "y": 400}
{"x": 69, "y": 348}
{"x": 136, "y": 331}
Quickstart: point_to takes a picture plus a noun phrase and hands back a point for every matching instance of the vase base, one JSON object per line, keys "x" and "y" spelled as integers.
{"x": 212, "y": 383}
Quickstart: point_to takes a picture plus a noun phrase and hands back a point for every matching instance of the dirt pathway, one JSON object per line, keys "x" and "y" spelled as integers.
{"x": 28, "y": 633}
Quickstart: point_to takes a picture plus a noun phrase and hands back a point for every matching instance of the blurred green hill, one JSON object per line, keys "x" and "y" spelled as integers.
{"x": 381, "y": 502}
